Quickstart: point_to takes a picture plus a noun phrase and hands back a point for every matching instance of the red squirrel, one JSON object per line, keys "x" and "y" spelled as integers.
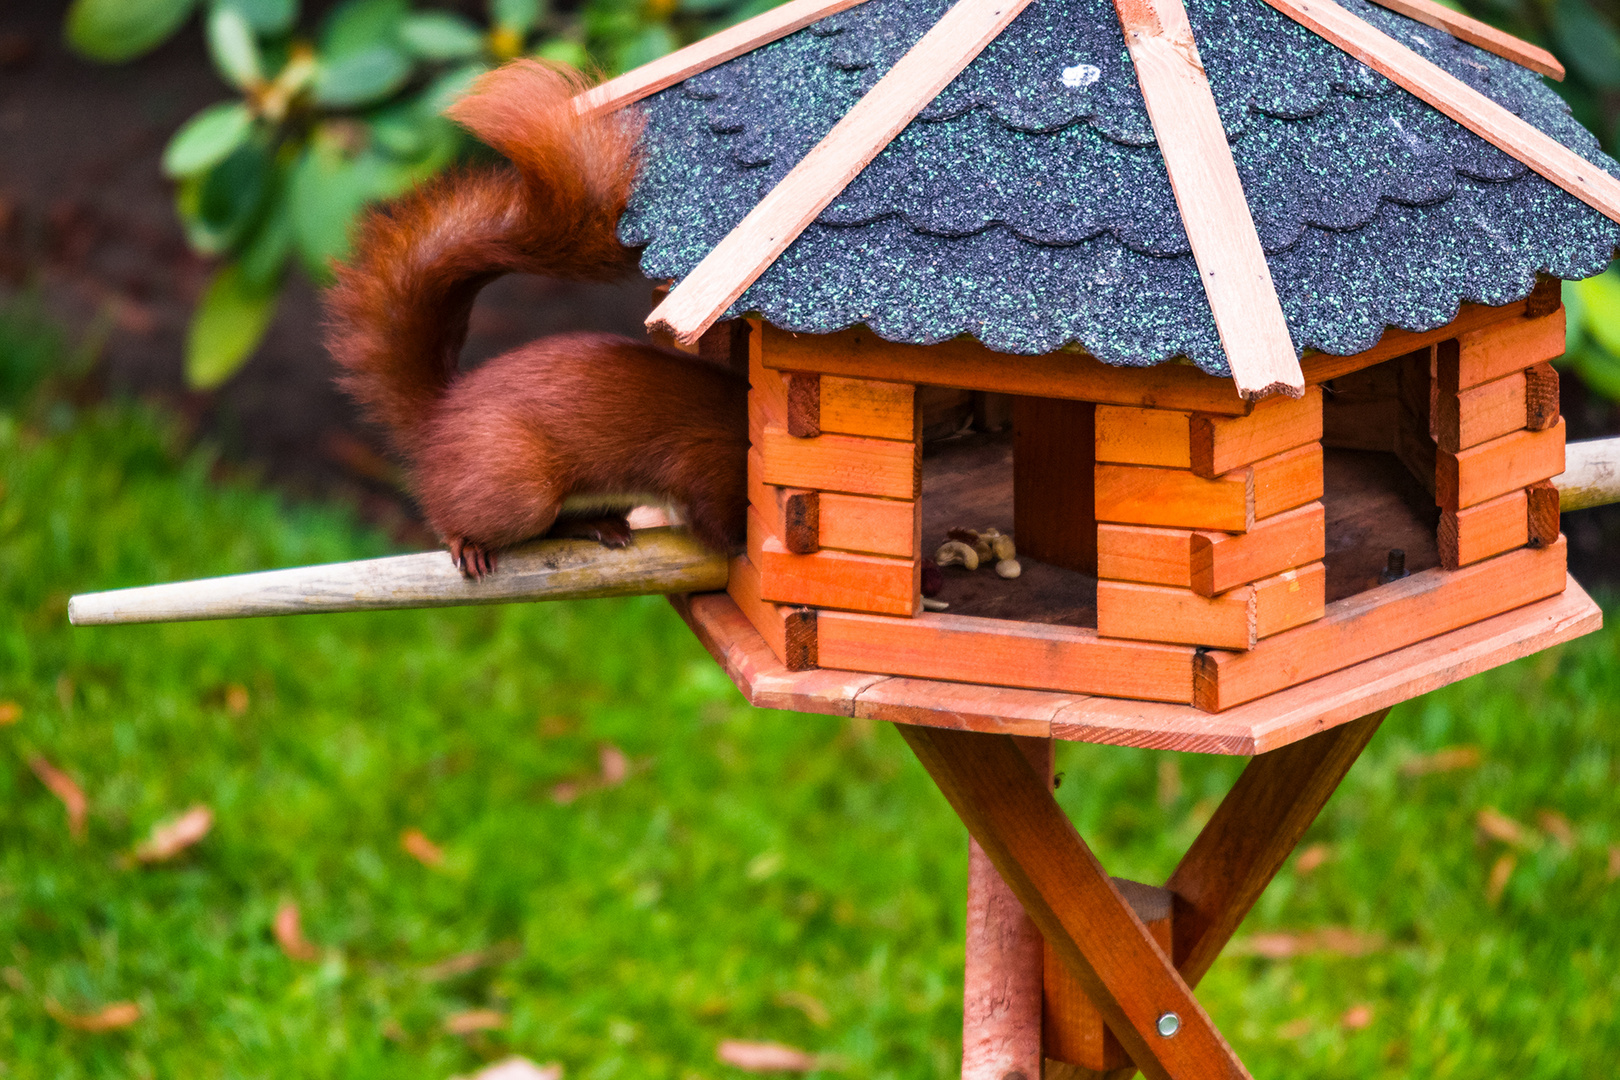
{"x": 567, "y": 425}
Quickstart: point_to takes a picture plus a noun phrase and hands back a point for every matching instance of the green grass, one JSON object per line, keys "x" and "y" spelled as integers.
{"x": 753, "y": 864}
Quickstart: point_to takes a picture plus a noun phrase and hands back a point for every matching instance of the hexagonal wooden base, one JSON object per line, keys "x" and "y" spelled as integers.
{"x": 1252, "y": 728}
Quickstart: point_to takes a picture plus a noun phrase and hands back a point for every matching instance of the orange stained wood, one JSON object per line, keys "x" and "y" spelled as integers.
{"x": 1127, "y": 435}
{"x": 1222, "y": 561}
{"x": 803, "y": 403}
{"x": 731, "y": 42}
{"x": 1073, "y": 1030}
{"x": 1221, "y": 444}
{"x": 1289, "y": 599}
{"x": 1480, "y": 413}
{"x": 1149, "y": 495}
{"x": 1320, "y": 367}
{"x": 1495, "y": 351}
{"x": 1053, "y": 485}
{"x": 851, "y": 464}
{"x": 1097, "y": 937}
{"x": 1214, "y": 210}
{"x": 1540, "y": 397}
{"x": 817, "y": 179}
{"x": 874, "y": 526}
{"x": 790, "y": 513}
{"x": 1494, "y": 468}
{"x": 768, "y": 393}
{"x": 789, "y": 631}
{"x": 1126, "y": 609}
{"x": 1461, "y": 102}
{"x": 885, "y": 410}
{"x": 1490, "y": 528}
{"x": 1483, "y": 35}
{"x": 1542, "y": 513}
{"x": 967, "y": 364}
{"x": 961, "y": 648}
{"x": 1378, "y": 621}
{"x": 832, "y": 579}
{"x": 1286, "y": 480}
{"x": 1153, "y": 556}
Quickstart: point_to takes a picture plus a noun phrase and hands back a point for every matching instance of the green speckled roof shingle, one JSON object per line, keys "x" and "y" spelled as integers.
{"x": 1028, "y": 205}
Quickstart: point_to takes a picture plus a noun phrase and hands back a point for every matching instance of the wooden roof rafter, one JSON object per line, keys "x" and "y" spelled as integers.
{"x": 1478, "y": 34}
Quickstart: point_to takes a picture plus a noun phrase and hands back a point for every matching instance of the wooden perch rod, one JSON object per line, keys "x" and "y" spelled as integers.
{"x": 657, "y": 561}
{"x": 1591, "y": 475}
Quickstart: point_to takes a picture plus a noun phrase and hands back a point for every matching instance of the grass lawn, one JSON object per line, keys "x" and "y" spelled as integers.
{"x": 752, "y": 875}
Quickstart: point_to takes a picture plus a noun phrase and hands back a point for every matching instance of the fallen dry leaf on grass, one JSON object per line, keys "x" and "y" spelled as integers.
{"x": 1498, "y": 826}
{"x": 615, "y": 766}
{"x": 462, "y": 963}
{"x": 1357, "y": 1017}
{"x": 1450, "y": 759}
{"x": 173, "y": 835}
{"x": 1500, "y": 873}
{"x": 290, "y": 934}
{"x": 465, "y": 1023}
{"x": 10, "y": 712}
{"x": 120, "y": 1014}
{"x": 1312, "y": 857}
{"x": 517, "y": 1068}
{"x": 1557, "y": 826}
{"x": 62, "y": 786}
{"x": 1296, "y": 1029}
{"x": 764, "y": 1056}
{"x": 414, "y": 842}
{"x": 1332, "y": 940}
{"x": 1614, "y": 863}
{"x": 812, "y": 1007}
{"x": 236, "y": 699}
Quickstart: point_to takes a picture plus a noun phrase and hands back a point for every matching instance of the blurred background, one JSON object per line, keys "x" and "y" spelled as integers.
{"x": 414, "y": 844}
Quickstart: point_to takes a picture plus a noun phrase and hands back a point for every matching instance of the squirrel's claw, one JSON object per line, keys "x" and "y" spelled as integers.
{"x": 473, "y": 560}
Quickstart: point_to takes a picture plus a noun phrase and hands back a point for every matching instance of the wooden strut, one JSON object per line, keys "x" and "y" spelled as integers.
{"x": 1085, "y": 920}
{"x": 1478, "y": 34}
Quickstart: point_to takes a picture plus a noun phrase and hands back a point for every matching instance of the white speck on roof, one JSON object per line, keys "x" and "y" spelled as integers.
{"x": 1081, "y": 76}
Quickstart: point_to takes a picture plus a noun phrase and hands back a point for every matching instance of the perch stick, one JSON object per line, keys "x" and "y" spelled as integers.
{"x": 657, "y": 561}
{"x": 1591, "y": 475}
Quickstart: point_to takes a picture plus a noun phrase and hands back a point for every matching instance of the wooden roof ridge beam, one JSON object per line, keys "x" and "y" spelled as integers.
{"x": 1479, "y": 34}
{"x": 1456, "y": 99}
{"x": 747, "y": 251}
{"x": 1214, "y": 210}
{"x": 700, "y": 56}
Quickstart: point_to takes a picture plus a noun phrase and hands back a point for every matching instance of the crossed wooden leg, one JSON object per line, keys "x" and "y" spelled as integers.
{"x": 1144, "y": 996}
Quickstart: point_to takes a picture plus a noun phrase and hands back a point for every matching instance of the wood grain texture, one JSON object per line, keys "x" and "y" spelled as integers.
{"x": 883, "y": 410}
{"x": 1287, "y": 480}
{"x": 1497, "y": 350}
{"x": 657, "y": 561}
{"x": 1320, "y": 367}
{"x": 1266, "y": 724}
{"x": 731, "y": 42}
{"x": 803, "y": 404}
{"x": 1289, "y": 599}
{"x": 872, "y": 526}
{"x": 1490, "y": 528}
{"x": 1221, "y": 444}
{"x": 1461, "y": 102}
{"x": 966, "y": 364}
{"x": 851, "y": 464}
{"x": 993, "y": 652}
{"x": 1214, "y": 210}
{"x": 791, "y": 513}
{"x": 1078, "y": 909}
{"x": 1481, "y": 413}
{"x": 1541, "y": 513}
{"x": 916, "y": 79}
{"x": 1591, "y": 476}
{"x": 789, "y": 631}
{"x": 1379, "y": 620}
{"x": 1540, "y": 397}
{"x": 832, "y": 579}
{"x": 1133, "y": 436}
{"x": 1054, "y": 492}
{"x": 1480, "y": 34}
{"x": 1179, "y": 616}
{"x": 1222, "y": 561}
{"x": 1148, "y": 495}
{"x": 1143, "y": 553}
{"x": 1494, "y": 468}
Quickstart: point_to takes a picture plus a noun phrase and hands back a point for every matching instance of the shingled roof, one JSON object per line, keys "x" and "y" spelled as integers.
{"x": 1029, "y": 206}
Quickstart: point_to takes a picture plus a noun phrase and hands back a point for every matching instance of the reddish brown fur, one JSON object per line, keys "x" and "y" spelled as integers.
{"x": 495, "y": 451}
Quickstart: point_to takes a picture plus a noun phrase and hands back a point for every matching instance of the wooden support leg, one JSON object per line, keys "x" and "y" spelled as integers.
{"x": 1033, "y": 845}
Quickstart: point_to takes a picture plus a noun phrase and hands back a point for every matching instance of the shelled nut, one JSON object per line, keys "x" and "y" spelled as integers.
{"x": 1008, "y": 568}
{"x": 956, "y": 553}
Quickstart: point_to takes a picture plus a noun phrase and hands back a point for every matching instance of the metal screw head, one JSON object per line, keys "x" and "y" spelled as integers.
{"x": 1169, "y": 1024}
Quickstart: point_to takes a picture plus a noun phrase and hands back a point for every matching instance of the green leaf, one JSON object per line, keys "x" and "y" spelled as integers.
{"x": 649, "y": 45}
{"x": 220, "y": 206}
{"x": 1599, "y": 370}
{"x": 1600, "y": 301}
{"x": 441, "y": 35}
{"x": 265, "y": 254}
{"x": 328, "y": 189}
{"x": 267, "y": 17}
{"x": 361, "y": 78}
{"x": 231, "y": 44}
{"x": 564, "y": 51}
{"x": 1588, "y": 42}
{"x": 516, "y": 15}
{"x": 448, "y": 88}
{"x": 207, "y": 139}
{"x": 113, "y": 31}
{"x": 359, "y": 25}
{"x": 227, "y": 326}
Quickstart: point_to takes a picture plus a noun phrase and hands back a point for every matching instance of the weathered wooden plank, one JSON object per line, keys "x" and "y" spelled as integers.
{"x": 1478, "y": 532}
{"x": 1221, "y": 444}
{"x": 1494, "y": 468}
{"x": 1592, "y": 476}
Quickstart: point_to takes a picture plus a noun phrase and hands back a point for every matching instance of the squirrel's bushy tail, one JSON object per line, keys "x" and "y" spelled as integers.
{"x": 397, "y": 316}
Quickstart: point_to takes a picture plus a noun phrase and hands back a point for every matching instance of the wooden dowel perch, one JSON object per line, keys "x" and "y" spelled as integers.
{"x": 657, "y": 561}
{"x": 1591, "y": 475}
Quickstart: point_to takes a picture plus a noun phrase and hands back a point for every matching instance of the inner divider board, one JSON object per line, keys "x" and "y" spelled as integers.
{"x": 994, "y": 652}
{"x": 789, "y": 631}
{"x": 1481, "y": 413}
{"x": 1053, "y": 484}
{"x": 833, "y": 579}
{"x": 1380, "y": 620}
{"x": 1480, "y": 531}
{"x": 1494, "y": 468}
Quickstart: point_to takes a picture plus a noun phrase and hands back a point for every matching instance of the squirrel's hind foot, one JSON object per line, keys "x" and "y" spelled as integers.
{"x": 473, "y": 560}
{"x": 609, "y": 530}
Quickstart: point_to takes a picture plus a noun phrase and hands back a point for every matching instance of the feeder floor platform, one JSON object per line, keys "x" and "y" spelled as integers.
{"x": 1253, "y": 728}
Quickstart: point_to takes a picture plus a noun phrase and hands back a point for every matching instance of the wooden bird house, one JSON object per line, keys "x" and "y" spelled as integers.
{"x": 1237, "y": 323}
